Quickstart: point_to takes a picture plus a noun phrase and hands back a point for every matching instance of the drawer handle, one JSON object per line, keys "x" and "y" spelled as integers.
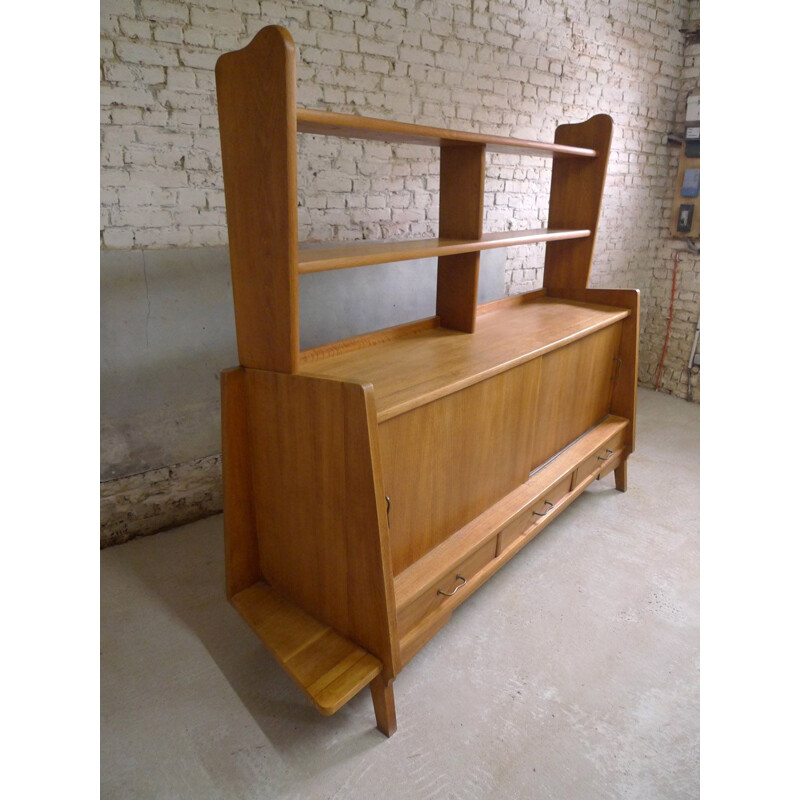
{"x": 450, "y": 594}
{"x": 610, "y": 453}
{"x": 543, "y": 514}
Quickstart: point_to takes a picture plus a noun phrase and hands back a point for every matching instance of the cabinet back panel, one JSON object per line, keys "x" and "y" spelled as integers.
{"x": 445, "y": 462}
{"x": 575, "y": 391}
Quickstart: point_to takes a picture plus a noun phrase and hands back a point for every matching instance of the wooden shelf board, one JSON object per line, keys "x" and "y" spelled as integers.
{"x": 342, "y": 256}
{"x": 327, "y": 667}
{"x": 434, "y": 361}
{"x": 328, "y": 123}
{"x": 425, "y": 572}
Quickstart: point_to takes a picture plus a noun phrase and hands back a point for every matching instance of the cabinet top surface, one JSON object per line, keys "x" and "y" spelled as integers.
{"x": 412, "y": 371}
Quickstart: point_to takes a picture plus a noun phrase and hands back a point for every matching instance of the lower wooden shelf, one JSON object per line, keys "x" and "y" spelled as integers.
{"x": 327, "y": 667}
{"x": 363, "y": 254}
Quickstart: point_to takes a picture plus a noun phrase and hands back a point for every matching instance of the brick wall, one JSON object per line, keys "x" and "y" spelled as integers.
{"x": 676, "y": 376}
{"x": 518, "y": 67}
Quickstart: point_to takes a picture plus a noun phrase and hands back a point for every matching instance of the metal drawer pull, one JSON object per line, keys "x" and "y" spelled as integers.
{"x": 543, "y": 514}
{"x": 610, "y": 453}
{"x": 450, "y": 594}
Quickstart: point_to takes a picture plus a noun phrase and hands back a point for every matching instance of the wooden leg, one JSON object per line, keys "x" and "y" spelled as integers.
{"x": 621, "y": 476}
{"x": 383, "y": 701}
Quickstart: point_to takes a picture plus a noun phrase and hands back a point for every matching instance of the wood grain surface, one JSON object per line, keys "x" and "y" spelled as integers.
{"x": 575, "y": 391}
{"x": 445, "y": 462}
{"x": 576, "y": 195}
{"x": 256, "y": 103}
{"x": 411, "y": 371}
{"x": 345, "y": 255}
{"x": 330, "y": 123}
{"x": 326, "y": 666}
{"x": 320, "y": 512}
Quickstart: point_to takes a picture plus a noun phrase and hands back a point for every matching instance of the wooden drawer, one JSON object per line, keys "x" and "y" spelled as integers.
{"x": 594, "y": 463}
{"x": 433, "y": 598}
{"x": 535, "y": 514}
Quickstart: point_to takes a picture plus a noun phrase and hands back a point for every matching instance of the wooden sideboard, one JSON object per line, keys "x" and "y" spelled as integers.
{"x": 371, "y": 485}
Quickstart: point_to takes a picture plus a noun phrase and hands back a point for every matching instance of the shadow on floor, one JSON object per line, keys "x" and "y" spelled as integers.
{"x": 188, "y": 579}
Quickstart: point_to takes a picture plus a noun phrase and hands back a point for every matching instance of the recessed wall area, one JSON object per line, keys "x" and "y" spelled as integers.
{"x": 510, "y": 68}
{"x": 167, "y": 328}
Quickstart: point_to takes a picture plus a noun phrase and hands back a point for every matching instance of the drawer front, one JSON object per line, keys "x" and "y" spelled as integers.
{"x": 536, "y": 514}
{"x": 514, "y": 530}
{"x": 594, "y": 463}
{"x": 448, "y": 586}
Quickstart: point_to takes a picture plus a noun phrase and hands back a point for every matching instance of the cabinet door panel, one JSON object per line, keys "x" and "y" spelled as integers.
{"x": 574, "y": 391}
{"x": 448, "y": 461}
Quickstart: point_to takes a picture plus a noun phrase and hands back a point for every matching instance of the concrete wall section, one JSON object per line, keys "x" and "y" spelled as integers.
{"x": 167, "y": 329}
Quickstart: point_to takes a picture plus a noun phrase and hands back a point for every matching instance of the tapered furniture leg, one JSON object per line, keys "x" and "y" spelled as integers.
{"x": 621, "y": 476}
{"x": 383, "y": 701}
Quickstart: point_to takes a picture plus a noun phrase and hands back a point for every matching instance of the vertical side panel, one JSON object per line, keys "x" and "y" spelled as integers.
{"x": 576, "y": 194}
{"x": 369, "y": 554}
{"x": 258, "y": 134}
{"x": 321, "y": 528}
{"x": 623, "y": 398}
{"x": 463, "y": 171}
{"x": 241, "y": 546}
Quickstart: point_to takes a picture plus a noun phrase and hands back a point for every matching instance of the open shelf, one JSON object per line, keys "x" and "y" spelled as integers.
{"x": 328, "y": 123}
{"x": 327, "y": 667}
{"x": 433, "y": 361}
{"x": 342, "y": 256}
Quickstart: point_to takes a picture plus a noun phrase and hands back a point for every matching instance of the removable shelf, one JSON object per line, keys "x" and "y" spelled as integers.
{"x": 342, "y": 256}
{"x": 433, "y": 361}
{"x": 329, "y": 123}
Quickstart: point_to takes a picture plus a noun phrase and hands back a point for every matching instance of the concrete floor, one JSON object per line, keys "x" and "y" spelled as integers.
{"x": 574, "y": 673}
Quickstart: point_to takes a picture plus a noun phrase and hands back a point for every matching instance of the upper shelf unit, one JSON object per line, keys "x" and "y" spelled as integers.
{"x": 328, "y": 123}
{"x": 259, "y": 123}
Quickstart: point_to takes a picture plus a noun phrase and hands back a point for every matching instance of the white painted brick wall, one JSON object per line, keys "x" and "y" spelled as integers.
{"x": 676, "y": 377}
{"x": 515, "y": 68}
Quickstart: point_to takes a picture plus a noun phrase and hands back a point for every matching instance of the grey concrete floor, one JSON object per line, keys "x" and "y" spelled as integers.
{"x": 572, "y": 674}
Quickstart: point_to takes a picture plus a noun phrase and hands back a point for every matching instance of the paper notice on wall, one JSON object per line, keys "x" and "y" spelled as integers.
{"x": 693, "y": 108}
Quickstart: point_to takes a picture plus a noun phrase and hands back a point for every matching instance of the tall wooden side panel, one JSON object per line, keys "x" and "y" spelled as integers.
{"x": 319, "y": 506}
{"x": 576, "y": 194}
{"x": 258, "y": 134}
